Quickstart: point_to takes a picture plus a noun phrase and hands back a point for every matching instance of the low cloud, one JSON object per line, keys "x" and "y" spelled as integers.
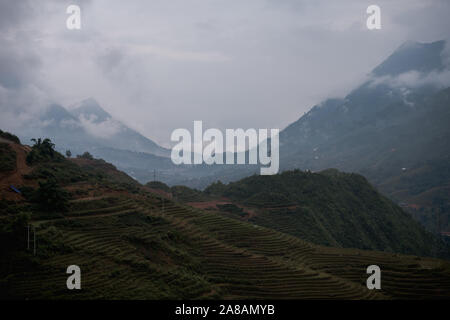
{"x": 179, "y": 55}
{"x": 104, "y": 129}
{"x": 415, "y": 79}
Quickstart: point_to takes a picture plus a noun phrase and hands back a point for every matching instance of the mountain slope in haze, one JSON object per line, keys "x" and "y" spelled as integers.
{"x": 329, "y": 208}
{"x": 87, "y": 127}
{"x": 133, "y": 244}
{"x": 117, "y": 135}
{"x": 387, "y": 100}
{"x": 413, "y": 56}
{"x": 90, "y": 109}
{"x": 393, "y": 125}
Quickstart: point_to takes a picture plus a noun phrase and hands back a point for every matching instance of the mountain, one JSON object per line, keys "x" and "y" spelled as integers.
{"x": 62, "y": 127}
{"x": 88, "y": 127}
{"x": 112, "y": 133}
{"x": 393, "y": 129}
{"x": 413, "y": 56}
{"x": 90, "y": 109}
{"x": 85, "y": 211}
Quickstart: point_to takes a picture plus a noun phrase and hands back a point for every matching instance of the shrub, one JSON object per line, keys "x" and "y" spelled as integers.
{"x": 86, "y": 155}
{"x": 42, "y": 151}
{"x": 158, "y": 185}
{"x": 50, "y": 197}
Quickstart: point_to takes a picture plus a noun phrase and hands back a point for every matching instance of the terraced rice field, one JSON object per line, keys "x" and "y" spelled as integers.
{"x": 150, "y": 248}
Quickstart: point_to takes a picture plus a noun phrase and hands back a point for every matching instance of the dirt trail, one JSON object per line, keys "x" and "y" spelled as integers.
{"x": 15, "y": 177}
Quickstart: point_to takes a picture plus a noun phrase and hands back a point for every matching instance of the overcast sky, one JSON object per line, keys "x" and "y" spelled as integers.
{"x": 158, "y": 65}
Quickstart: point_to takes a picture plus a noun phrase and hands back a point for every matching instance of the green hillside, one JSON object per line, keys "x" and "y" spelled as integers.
{"x": 330, "y": 208}
{"x": 144, "y": 249}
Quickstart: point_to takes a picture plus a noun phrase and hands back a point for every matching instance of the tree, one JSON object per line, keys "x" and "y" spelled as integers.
{"x": 48, "y": 147}
{"x": 51, "y": 197}
{"x": 42, "y": 150}
{"x": 86, "y": 155}
{"x": 68, "y": 153}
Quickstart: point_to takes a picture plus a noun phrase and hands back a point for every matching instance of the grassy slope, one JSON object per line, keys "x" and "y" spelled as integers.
{"x": 145, "y": 249}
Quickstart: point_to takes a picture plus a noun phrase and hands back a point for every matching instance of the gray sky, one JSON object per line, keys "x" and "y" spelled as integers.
{"x": 159, "y": 65}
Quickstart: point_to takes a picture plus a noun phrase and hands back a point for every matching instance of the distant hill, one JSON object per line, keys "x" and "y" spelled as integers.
{"x": 330, "y": 208}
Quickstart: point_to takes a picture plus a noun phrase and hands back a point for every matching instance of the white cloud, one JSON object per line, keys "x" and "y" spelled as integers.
{"x": 414, "y": 79}
{"x": 104, "y": 129}
{"x": 180, "y": 55}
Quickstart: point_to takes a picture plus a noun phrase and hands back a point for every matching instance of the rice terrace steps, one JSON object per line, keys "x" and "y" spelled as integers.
{"x": 149, "y": 247}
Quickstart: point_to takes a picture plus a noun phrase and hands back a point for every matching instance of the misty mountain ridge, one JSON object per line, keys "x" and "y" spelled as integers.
{"x": 90, "y": 108}
{"x": 88, "y": 127}
{"x": 413, "y": 56}
{"x": 387, "y": 101}
{"x": 393, "y": 129}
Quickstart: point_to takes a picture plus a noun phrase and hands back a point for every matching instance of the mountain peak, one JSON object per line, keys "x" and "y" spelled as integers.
{"x": 90, "y": 108}
{"x": 413, "y": 56}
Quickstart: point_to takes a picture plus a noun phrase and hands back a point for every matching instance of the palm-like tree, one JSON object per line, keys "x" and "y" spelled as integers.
{"x": 46, "y": 146}
{"x": 37, "y": 143}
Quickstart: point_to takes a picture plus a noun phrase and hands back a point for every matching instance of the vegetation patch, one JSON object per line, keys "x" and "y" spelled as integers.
{"x": 186, "y": 194}
{"x": 331, "y": 208}
{"x": 8, "y": 158}
{"x": 159, "y": 186}
{"x": 230, "y": 207}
